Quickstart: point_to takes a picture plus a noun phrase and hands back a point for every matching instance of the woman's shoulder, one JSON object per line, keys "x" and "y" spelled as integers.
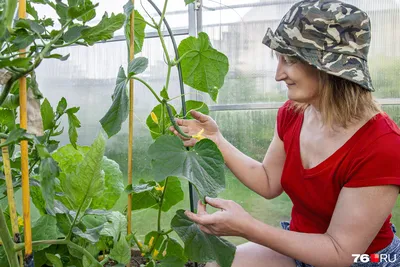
{"x": 383, "y": 132}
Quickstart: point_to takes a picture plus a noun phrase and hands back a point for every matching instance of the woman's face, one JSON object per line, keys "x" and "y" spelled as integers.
{"x": 300, "y": 78}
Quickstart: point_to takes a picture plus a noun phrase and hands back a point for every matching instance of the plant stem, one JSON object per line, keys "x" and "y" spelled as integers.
{"x": 137, "y": 242}
{"x": 149, "y": 87}
{"x": 161, "y": 203}
{"x": 163, "y": 13}
{"x": 8, "y": 244}
{"x": 168, "y": 77}
{"x": 75, "y": 219}
{"x": 167, "y": 232}
{"x": 160, "y": 35}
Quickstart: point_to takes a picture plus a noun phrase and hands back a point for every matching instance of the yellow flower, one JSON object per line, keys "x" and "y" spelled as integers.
{"x": 20, "y": 221}
{"x": 151, "y": 241}
{"x": 155, "y": 253}
{"x": 140, "y": 244}
{"x": 142, "y": 254}
{"x": 159, "y": 188}
{"x": 164, "y": 253}
{"x": 199, "y": 136}
{"x": 154, "y": 117}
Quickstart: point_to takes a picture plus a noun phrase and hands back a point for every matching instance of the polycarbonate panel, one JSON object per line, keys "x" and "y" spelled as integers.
{"x": 238, "y": 27}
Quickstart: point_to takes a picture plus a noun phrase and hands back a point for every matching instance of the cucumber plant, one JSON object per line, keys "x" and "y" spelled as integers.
{"x": 204, "y": 69}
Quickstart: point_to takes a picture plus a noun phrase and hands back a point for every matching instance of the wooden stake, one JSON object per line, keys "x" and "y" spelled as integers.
{"x": 11, "y": 199}
{"x": 24, "y": 157}
{"x": 131, "y": 112}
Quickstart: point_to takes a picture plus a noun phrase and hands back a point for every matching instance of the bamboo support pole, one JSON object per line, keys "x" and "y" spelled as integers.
{"x": 131, "y": 113}
{"x": 24, "y": 157}
{"x": 11, "y": 199}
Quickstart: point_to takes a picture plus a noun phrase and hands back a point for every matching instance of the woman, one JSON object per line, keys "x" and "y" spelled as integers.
{"x": 334, "y": 152}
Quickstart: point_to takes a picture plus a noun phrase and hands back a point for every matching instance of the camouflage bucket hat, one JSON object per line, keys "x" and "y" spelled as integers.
{"x": 331, "y": 35}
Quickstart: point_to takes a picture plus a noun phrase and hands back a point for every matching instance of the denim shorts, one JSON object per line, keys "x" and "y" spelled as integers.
{"x": 392, "y": 251}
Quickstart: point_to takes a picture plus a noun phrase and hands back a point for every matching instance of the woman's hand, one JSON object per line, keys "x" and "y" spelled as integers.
{"x": 202, "y": 126}
{"x": 231, "y": 220}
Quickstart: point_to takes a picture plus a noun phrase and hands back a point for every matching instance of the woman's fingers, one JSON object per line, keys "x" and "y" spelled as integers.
{"x": 199, "y": 116}
{"x": 201, "y": 208}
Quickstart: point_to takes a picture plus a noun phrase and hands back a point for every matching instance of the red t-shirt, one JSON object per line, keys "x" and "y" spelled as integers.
{"x": 370, "y": 157}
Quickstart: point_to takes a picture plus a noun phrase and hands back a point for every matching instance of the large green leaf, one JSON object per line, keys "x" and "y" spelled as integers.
{"x": 116, "y": 224}
{"x": 203, "y": 166}
{"x": 205, "y": 68}
{"x": 140, "y": 26}
{"x": 45, "y": 228}
{"x": 69, "y": 158}
{"x": 47, "y": 115}
{"x": 202, "y": 247}
{"x": 114, "y": 186}
{"x": 121, "y": 251}
{"x": 156, "y": 128}
{"x": 104, "y": 30}
{"x": 119, "y": 109}
{"x": 195, "y": 105}
{"x": 88, "y": 180}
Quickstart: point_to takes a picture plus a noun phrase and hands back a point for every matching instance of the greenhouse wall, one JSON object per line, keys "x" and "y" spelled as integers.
{"x": 247, "y": 103}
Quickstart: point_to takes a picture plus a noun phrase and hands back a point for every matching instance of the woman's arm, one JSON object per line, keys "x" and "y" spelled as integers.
{"x": 359, "y": 215}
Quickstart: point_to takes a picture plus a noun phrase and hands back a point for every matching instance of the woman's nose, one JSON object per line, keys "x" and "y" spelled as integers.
{"x": 280, "y": 71}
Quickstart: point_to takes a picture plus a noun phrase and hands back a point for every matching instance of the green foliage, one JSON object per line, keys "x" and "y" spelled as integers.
{"x": 203, "y": 68}
{"x": 200, "y": 246}
{"x": 86, "y": 173}
{"x": 118, "y": 111}
{"x": 121, "y": 251}
{"x": 202, "y": 166}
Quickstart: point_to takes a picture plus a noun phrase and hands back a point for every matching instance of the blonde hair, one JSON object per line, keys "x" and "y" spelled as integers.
{"x": 342, "y": 102}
